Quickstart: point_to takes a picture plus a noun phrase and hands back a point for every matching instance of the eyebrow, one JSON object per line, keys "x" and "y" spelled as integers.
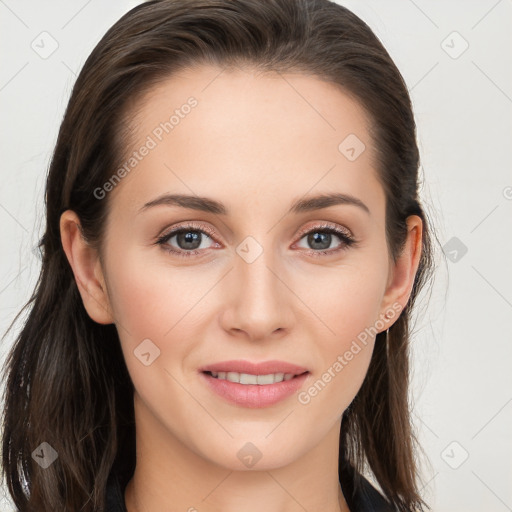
{"x": 300, "y": 205}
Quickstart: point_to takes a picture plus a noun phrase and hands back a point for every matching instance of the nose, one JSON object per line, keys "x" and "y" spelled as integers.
{"x": 259, "y": 302}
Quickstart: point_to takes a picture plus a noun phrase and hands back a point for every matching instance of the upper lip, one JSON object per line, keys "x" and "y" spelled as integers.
{"x": 261, "y": 368}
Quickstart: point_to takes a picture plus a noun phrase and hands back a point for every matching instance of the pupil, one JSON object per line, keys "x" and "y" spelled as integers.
{"x": 189, "y": 237}
{"x": 317, "y": 237}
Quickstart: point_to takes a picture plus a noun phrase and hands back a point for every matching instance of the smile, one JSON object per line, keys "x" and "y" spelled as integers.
{"x": 247, "y": 378}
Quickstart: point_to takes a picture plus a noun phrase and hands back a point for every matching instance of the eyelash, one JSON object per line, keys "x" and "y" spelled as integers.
{"x": 347, "y": 240}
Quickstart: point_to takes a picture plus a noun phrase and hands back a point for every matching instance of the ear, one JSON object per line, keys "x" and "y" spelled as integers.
{"x": 85, "y": 263}
{"x": 402, "y": 272}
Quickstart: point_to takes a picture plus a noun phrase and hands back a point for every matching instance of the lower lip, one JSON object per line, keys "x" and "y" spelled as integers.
{"x": 254, "y": 395}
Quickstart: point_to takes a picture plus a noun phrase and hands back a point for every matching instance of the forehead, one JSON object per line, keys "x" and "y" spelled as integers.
{"x": 246, "y": 101}
{"x": 238, "y": 133}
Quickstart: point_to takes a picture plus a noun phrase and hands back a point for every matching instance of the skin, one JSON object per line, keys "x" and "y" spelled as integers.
{"x": 255, "y": 142}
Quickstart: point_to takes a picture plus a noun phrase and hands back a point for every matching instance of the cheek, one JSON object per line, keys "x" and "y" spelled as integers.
{"x": 150, "y": 307}
{"x": 344, "y": 364}
{"x": 154, "y": 301}
{"x": 346, "y": 300}
{"x": 149, "y": 298}
{"x": 349, "y": 307}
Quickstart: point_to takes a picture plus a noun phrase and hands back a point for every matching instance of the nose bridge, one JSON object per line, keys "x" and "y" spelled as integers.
{"x": 261, "y": 301}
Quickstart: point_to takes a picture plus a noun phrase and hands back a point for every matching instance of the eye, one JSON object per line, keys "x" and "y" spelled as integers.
{"x": 320, "y": 237}
{"x": 189, "y": 240}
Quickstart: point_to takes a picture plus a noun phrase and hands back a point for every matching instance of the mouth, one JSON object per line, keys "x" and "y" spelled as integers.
{"x": 254, "y": 385}
{"x": 251, "y": 379}
{"x": 262, "y": 368}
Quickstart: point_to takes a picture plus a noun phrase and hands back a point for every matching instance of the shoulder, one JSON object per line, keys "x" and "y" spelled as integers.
{"x": 369, "y": 499}
{"x": 360, "y": 494}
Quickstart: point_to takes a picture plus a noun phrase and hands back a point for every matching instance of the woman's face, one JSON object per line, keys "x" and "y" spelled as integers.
{"x": 253, "y": 277}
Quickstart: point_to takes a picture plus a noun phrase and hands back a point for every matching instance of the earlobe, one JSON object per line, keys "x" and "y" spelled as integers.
{"x": 85, "y": 263}
{"x": 403, "y": 271}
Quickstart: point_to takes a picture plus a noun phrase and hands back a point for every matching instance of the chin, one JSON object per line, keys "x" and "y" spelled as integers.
{"x": 253, "y": 453}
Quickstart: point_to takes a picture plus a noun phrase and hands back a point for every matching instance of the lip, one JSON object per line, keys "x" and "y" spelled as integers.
{"x": 254, "y": 396}
{"x": 262, "y": 368}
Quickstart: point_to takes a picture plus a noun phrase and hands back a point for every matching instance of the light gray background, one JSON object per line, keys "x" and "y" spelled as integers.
{"x": 462, "y": 383}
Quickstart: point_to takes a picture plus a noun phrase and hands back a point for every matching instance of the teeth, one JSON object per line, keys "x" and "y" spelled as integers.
{"x": 247, "y": 378}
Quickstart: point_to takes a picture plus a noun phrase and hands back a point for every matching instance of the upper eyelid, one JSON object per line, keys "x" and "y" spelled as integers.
{"x": 193, "y": 226}
{"x": 190, "y": 226}
{"x": 326, "y": 225}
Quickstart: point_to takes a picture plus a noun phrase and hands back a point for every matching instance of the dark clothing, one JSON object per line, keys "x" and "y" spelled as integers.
{"x": 363, "y": 499}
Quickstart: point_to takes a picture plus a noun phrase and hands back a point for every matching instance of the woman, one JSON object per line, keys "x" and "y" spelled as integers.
{"x": 188, "y": 346}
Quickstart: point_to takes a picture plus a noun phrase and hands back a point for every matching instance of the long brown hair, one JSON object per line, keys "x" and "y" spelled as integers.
{"x": 67, "y": 382}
